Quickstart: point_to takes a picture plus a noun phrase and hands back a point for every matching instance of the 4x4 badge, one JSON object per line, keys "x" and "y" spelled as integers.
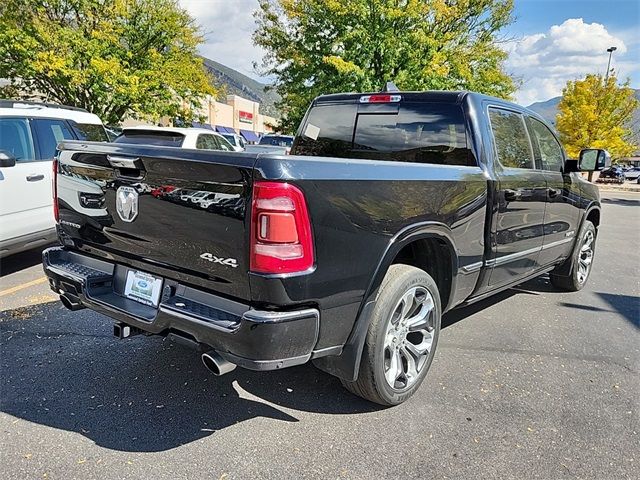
{"x": 229, "y": 262}
{"x": 127, "y": 203}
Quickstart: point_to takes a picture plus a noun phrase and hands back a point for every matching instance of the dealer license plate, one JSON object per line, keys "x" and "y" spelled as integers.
{"x": 143, "y": 288}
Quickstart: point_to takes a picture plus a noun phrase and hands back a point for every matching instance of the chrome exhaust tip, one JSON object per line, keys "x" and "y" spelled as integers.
{"x": 216, "y": 364}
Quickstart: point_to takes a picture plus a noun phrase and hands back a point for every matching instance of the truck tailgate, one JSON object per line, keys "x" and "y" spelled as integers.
{"x": 180, "y": 212}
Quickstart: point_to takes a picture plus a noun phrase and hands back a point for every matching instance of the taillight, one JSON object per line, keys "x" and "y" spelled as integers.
{"x": 54, "y": 189}
{"x": 281, "y": 240}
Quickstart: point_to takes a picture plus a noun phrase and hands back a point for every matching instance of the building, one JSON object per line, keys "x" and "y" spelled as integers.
{"x": 238, "y": 115}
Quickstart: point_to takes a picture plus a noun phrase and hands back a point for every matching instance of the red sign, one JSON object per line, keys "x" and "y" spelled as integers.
{"x": 245, "y": 117}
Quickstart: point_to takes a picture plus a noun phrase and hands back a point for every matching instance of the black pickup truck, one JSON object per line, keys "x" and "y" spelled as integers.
{"x": 392, "y": 209}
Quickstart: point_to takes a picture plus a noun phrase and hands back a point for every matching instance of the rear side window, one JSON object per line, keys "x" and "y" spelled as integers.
{"x": 207, "y": 142}
{"x": 15, "y": 139}
{"x": 277, "y": 140}
{"x": 49, "y": 133}
{"x": 412, "y": 132}
{"x": 511, "y": 139}
{"x": 90, "y": 132}
{"x": 151, "y": 137}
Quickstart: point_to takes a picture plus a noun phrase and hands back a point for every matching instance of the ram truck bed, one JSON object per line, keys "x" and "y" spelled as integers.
{"x": 303, "y": 257}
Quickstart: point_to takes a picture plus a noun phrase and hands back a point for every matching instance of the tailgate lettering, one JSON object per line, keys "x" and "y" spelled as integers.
{"x": 228, "y": 262}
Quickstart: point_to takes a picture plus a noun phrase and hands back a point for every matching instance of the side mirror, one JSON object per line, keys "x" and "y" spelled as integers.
{"x": 593, "y": 159}
{"x": 7, "y": 159}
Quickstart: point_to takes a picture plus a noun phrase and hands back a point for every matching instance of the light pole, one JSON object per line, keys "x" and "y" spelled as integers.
{"x": 610, "y": 50}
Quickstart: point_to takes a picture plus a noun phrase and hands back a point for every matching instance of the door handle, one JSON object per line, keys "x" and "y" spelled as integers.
{"x": 35, "y": 177}
{"x": 511, "y": 195}
{"x": 553, "y": 192}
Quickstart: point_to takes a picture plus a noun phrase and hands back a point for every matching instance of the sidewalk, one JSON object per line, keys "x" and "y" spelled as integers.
{"x": 614, "y": 187}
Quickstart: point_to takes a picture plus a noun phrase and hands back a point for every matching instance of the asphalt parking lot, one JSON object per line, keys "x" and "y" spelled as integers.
{"x": 529, "y": 384}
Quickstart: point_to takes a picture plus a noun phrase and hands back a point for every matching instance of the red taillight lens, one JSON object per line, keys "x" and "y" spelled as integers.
{"x": 54, "y": 189}
{"x": 281, "y": 240}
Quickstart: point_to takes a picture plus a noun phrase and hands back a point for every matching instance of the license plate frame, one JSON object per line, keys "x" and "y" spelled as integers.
{"x": 142, "y": 287}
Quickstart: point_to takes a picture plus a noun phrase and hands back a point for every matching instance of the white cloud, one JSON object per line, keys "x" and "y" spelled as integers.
{"x": 546, "y": 61}
{"x": 228, "y": 26}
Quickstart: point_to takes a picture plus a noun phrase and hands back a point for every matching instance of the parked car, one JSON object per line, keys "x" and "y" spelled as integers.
{"x": 214, "y": 199}
{"x": 392, "y": 209}
{"x": 632, "y": 173}
{"x": 162, "y": 190}
{"x": 195, "y": 138}
{"x": 29, "y": 133}
{"x": 612, "y": 174}
{"x": 236, "y": 141}
{"x": 280, "y": 144}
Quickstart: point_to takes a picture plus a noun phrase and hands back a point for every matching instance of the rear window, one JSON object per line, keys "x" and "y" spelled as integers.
{"x": 151, "y": 137}
{"x": 405, "y": 132}
{"x": 90, "y": 132}
{"x": 276, "y": 140}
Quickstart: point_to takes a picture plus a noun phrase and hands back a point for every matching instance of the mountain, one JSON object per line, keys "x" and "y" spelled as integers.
{"x": 235, "y": 83}
{"x": 549, "y": 109}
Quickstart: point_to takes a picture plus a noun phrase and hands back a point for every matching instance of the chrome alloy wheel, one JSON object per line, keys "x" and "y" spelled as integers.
{"x": 586, "y": 257}
{"x": 409, "y": 338}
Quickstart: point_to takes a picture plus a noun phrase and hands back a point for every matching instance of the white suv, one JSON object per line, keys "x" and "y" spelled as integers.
{"x": 29, "y": 134}
{"x": 194, "y": 138}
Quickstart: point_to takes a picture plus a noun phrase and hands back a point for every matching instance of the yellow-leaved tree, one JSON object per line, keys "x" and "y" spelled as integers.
{"x": 597, "y": 113}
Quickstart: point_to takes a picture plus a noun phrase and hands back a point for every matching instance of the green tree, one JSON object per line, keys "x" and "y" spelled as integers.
{"x": 113, "y": 57}
{"x": 596, "y": 113}
{"x": 315, "y": 47}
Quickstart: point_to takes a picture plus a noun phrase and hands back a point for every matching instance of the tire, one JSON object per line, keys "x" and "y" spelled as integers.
{"x": 573, "y": 274}
{"x": 407, "y": 294}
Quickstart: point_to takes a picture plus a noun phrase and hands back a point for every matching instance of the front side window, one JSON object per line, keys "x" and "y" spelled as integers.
{"x": 550, "y": 152}
{"x": 49, "y": 133}
{"x": 223, "y": 144}
{"x": 511, "y": 139}
{"x": 15, "y": 139}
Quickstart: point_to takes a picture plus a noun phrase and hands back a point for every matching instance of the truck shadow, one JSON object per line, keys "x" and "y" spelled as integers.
{"x": 20, "y": 261}
{"x": 65, "y": 370}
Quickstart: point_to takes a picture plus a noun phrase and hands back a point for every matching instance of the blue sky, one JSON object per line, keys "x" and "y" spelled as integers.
{"x": 551, "y": 41}
{"x": 553, "y": 45}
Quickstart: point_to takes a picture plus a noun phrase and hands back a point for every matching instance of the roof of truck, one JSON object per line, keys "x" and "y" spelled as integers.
{"x": 429, "y": 96}
{"x": 426, "y": 96}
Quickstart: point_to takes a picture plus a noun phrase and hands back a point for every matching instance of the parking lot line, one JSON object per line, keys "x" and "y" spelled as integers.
{"x": 11, "y": 290}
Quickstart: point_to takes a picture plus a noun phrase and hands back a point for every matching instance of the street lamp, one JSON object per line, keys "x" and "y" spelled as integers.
{"x": 610, "y": 50}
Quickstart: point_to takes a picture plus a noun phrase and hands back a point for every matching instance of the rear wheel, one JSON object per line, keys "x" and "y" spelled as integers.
{"x": 573, "y": 274}
{"x": 401, "y": 339}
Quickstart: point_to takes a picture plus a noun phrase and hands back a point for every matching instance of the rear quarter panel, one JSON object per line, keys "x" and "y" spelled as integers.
{"x": 358, "y": 208}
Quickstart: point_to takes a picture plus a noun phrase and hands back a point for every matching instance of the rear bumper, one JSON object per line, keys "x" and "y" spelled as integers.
{"x": 254, "y": 339}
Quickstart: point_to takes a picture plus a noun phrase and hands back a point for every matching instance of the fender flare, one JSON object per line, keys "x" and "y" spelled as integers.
{"x": 346, "y": 365}
{"x": 591, "y": 207}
